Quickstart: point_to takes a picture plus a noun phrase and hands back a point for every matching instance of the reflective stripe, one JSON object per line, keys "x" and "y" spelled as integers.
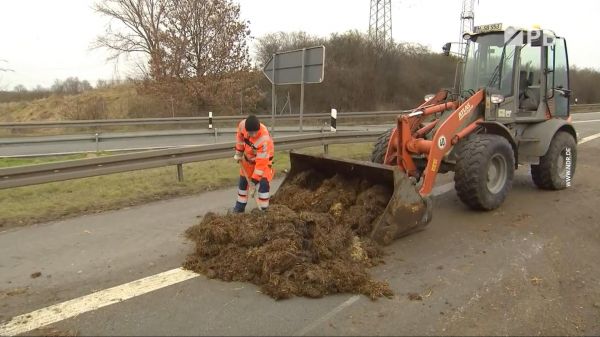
{"x": 241, "y": 143}
{"x": 242, "y": 200}
{"x": 259, "y": 172}
{"x": 263, "y": 204}
{"x": 262, "y": 155}
{"x": 242, "y": 192}
{"x": 264, "y": 195}
{"x": 260, "y": 140}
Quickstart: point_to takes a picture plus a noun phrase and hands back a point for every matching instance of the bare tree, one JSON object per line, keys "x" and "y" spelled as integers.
{"x": 359, "y": 77}
{"x": 283, "y": 41}
{"x": 139, "y": 29}
{"x": 20, "y": 88}
{"x": 209, "y": 37}
{"x": 198, "y": 47}
{"x": 207, "y": 45}
{"x": 584, "y": 85}
{"x": 70, "y": 86}
{"x": 102, "y": 84}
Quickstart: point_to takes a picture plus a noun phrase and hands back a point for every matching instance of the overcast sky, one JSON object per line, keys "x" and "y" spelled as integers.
{"x": 42, "y": 40}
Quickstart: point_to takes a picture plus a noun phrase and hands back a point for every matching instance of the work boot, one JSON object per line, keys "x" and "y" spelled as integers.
{"x": 238, "y": 209}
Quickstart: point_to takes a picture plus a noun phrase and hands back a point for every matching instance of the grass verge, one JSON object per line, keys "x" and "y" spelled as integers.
{"x": 11, "y": 162}
{"x": 54, "y": 201}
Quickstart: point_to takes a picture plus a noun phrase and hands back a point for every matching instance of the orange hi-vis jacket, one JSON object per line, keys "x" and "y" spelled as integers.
{"x": 258, "y": 152}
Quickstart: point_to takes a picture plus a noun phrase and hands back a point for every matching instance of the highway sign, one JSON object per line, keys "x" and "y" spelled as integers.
{"x": 289, "y": 65}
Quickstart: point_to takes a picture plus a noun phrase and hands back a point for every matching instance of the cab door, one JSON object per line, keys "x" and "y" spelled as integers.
{"x": 559, "y": 90}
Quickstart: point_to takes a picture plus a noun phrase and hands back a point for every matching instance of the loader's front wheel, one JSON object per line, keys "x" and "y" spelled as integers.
{"x": 557, "y": 167}
{"x": 380, "y": 148}
{"x": 484, "y": 171}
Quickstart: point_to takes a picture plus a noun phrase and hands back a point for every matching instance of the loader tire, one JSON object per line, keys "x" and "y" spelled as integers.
{"x": 484, "y": 171}
{"x": 380, "y": 148}
{"x": 557, "y": 168}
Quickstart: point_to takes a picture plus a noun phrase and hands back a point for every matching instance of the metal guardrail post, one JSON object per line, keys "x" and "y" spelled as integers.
{"x": 97, "y": 143}
{"x": 333, "y": 123}
{"x": 302, "y": 84}
{"x": 180, "y": 173}
{"x": 333, "y": 128}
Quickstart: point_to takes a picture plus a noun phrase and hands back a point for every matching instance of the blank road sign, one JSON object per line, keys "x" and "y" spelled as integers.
{"x": 288, "y": 66}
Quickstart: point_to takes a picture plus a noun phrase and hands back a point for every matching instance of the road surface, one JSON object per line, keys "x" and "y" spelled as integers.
{"x": 528, "y": 268}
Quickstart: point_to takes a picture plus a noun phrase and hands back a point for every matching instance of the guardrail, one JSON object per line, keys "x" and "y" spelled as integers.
{"x": 45, "y": 173}
{"x": 581, "y": 108}
{"x": 187, "y": 120}
{"x": 98, "y": 138}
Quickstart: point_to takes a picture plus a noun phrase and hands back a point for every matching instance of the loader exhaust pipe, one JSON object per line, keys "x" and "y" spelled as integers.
{"x": 406, "y": 211}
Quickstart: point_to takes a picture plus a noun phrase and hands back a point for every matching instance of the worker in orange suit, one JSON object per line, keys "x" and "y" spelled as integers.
{"x": 254, "y": 150}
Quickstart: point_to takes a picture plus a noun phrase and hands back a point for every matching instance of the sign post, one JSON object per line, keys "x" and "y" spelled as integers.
{"x": 273, "y": 95}
{"x": 302, "y": 87}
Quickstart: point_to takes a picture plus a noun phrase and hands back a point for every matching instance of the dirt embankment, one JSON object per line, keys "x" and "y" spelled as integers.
{"x": 312, "y": 242}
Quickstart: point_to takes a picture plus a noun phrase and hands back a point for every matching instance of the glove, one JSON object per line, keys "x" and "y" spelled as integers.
{"x": 237, "y": 157}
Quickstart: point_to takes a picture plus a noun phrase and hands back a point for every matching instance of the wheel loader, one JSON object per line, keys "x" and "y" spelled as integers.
{"x": 509, "y": 107}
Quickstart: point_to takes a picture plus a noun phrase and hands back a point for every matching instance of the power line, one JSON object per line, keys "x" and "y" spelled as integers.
{"x": 5, "y": 69}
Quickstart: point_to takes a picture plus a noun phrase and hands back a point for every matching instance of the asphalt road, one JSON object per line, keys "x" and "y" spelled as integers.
{"x": 528, "y": 268}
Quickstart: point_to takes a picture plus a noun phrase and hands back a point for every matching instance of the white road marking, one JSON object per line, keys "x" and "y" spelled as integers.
{"x": 589, "y": 139}
{"x": 585, "y": 113}
{"x": 55, "y": 313}
{"x": 327, "y": 316}
{"x": 588, "y": 121}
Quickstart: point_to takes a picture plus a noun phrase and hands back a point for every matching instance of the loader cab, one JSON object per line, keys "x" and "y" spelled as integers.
{"x": 525, "y": 73}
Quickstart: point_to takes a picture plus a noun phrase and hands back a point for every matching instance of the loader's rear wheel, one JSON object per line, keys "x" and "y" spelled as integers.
{"x": 484, "y": 171}
{"x": 557, "y": 167}
{"x": 381, "y": 145}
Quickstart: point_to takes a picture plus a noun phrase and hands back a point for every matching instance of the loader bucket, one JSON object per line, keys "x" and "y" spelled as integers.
{"x": 406, "y": 211}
